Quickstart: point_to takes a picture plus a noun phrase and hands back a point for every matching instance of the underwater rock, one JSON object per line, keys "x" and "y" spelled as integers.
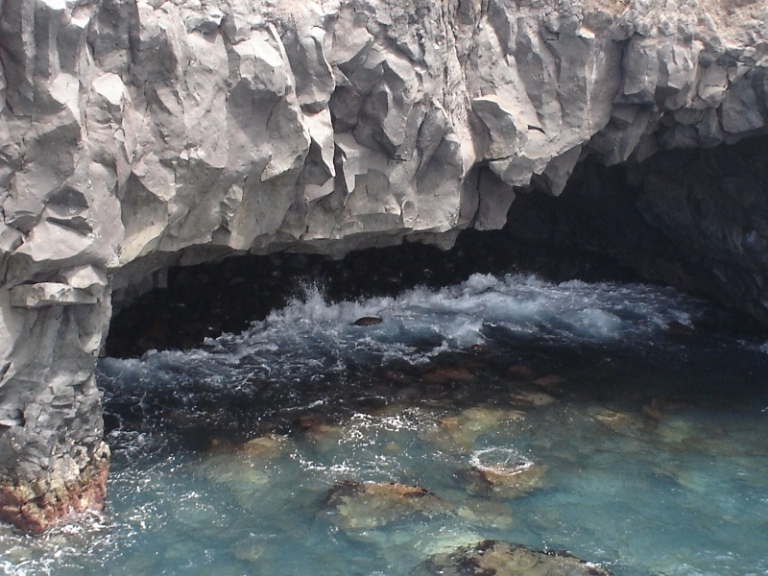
{"x": 365, "y": 505}
{"x": 320, "y": 432}
{"x": 449, "y": 375}
{"x": 506, "y": 472}
{"x": 486, "y": 513}
{"x": 620, "y": 422}
{"x": 245, "y": 467}
{"x": 461, "y": 430}
{"x": 262, "y": 447}
{"x": 661, "y": 406}
{"x": 549, "y": 381}
{"x": 533, "y": 398}
{"x": 521, "y": 371}
{"x": 497, "y": 558}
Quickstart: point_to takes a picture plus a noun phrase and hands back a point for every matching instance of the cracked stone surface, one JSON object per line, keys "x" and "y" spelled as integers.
{"x": 135, "y": 135}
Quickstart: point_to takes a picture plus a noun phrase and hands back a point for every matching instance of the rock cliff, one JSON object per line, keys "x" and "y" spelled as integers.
{"x": 142, "y": 134}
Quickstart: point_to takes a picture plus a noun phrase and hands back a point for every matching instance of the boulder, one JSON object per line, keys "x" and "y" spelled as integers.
{"x": 357, "y": 506}
{"x": 497, "y": 558}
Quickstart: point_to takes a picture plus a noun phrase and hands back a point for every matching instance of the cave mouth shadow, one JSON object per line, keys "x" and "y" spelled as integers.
{"x": 645, "y": 222}
{"x": 206, "y": 300}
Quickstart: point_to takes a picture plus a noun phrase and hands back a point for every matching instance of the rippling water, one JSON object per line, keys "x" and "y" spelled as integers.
{"x": 635, "y": 416}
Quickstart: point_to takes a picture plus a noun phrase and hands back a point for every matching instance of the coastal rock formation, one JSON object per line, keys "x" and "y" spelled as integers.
{"x": 137, "y": 135}
{"x": 369, "y": 505}
{"x": 497, "y": 558}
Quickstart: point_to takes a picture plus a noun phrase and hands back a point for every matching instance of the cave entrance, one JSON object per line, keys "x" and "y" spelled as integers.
{"x": 694, "y": 219}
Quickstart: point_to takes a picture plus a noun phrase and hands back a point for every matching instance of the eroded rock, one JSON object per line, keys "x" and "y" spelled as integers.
{"x": 506, "y": 472}
{"x": 139, "y": 135}
{"x": 367, "y": 505}
{"x": 497, "y": 558}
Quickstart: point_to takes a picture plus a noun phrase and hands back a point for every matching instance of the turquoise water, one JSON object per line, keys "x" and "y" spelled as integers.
{"x": 644, "y": 447}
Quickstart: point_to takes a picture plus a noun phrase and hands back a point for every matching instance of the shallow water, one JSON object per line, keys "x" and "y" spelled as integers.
{"x": 640, "y": 446}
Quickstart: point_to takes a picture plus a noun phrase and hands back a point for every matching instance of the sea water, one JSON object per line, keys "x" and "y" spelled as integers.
{"x": 643, "y": 411}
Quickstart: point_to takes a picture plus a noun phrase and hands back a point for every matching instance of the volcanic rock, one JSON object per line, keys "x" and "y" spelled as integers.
{"x": 367, "y": 505}
{"x": 497, "y": 558}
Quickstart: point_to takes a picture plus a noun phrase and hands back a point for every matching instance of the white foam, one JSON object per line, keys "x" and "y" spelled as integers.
{"x": 312, "y": 336}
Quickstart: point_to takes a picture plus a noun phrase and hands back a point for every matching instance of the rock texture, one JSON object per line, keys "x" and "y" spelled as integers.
{"x": 693, "y": 218}
{"x": 140, "y": 134}
{"x": 499, "y": 558}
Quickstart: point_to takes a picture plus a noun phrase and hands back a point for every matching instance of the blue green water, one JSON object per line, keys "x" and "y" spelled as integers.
{"x": 650, "y": 445}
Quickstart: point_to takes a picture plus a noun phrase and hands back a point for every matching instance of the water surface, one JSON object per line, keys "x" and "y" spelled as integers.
{"x": 642, "y": 411}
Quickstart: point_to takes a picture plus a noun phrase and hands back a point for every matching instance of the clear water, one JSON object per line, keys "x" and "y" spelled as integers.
{"x": 650, "y": 446}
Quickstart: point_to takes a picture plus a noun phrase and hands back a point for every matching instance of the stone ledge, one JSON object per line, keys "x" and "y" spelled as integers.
{"x": 49, "y": 294}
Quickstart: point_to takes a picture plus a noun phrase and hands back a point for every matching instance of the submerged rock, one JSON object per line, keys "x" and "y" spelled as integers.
{"x": 366, "y": 505}
{"x": 244, "y": 468}
{"x": 506, "y": 472}
{"x": 549, "y": 381}
{"x": 461, "y": 430}
{"x": 486, "y": 513}
{"x": 521, "y": 371}
{"x": 533, "y": 398}
{"x": 497, "y": 558}
{"x": 450, "y": 375}
{"x": 261, "y": 447}
{"x": 619, "y": 421}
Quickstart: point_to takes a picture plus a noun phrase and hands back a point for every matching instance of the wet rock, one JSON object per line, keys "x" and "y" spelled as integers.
{"x": 263, "y": 447}
{"x": 315, "y": 424}
{"x": 673, "y": 430}
{"x": 660, "y": 406}
{"x": 367, "y": 321}
{"x": 461, "y": 430}
{"x": 486, "y": 513}
{"x": 366, "y": 505}
{"x": 618, "y": 421}
{"x": 521, "y": 371}
{"x": 250, "y": 550}
{"x": 320, "y": 432}
{"x": 497, "y": 558}
{"x": 506, "y": 472}
{"x": 449, "y": 375}
{"x": 533, "y": 398}
{"x": 549, "y": 381}
{"x": 244, "y": 467}
{"x": 190, "y": 133}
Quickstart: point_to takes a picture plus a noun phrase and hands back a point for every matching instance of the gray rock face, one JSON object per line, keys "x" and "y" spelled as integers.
{"x": 138, "y": 134}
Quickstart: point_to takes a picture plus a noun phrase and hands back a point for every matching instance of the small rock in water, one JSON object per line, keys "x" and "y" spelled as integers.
{"x": 497, "y": 558}
{"x": 449, "y": 374}
{"x": 506, "y": 472}
{"x": 266, "y": 447}
{"x": 486, "y": 513}
{"x": 521, "y": 371}
{"x": 660, "y": 406}
{"x": 319, "y": 430}
{"x": 533, "y": 398}
{"x": 367, "y": 321}
{"x": 620, "y": 422}
{"x": 462, "y": 430}
{"x": 366, "y": 505}
{"x": 549, "y": 381}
